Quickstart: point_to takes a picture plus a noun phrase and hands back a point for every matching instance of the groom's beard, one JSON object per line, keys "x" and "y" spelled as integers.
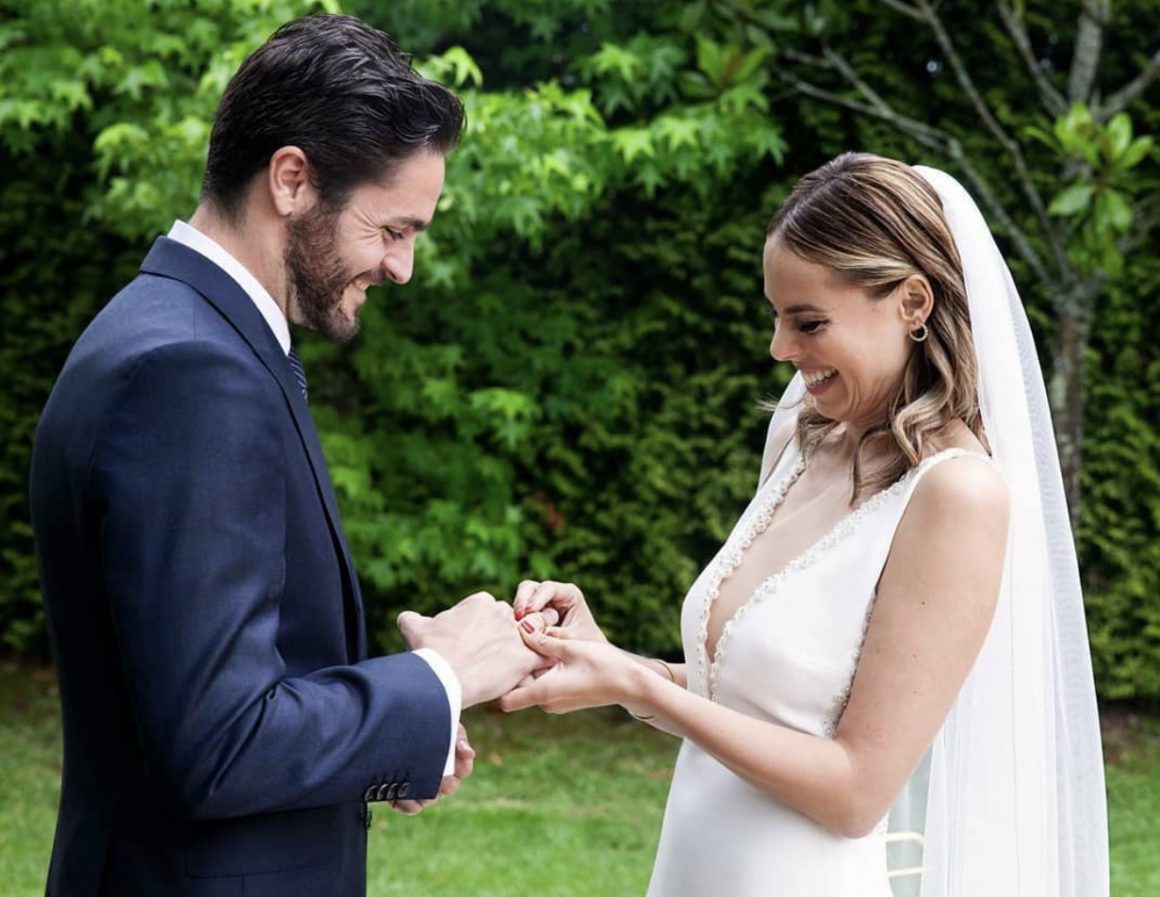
{"x": 316, "y": 276}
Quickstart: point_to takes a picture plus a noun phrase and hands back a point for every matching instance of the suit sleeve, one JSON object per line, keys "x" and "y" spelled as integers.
{"x": 191, "y": 474}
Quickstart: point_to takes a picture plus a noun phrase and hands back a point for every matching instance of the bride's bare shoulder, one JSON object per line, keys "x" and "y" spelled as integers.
{"x": 957, "y": 434}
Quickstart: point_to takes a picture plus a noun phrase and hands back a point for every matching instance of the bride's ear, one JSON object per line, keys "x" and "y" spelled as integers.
{"x": 915, "y": 299}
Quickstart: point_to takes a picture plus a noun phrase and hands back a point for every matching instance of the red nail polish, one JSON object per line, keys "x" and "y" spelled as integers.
{"x": 528, "y": 627}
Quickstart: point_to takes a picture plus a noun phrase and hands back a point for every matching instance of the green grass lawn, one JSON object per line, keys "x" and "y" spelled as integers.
{"x": 558, "y": 806}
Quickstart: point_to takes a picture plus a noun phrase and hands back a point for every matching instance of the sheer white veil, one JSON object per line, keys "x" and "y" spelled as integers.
{"x": 1010, "y": 799}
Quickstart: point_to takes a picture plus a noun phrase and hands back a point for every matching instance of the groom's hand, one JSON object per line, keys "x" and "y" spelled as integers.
{"x": 464, "y": 764}
{"x": 480, "y": 638}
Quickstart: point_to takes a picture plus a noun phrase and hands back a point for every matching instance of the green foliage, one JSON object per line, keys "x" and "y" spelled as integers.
{"x": 1100, "y": 198}
{"x": 1119, "y": 551}
{"x": 87, "y": 90}
{"x": 641, "y": 402}
{"x": 49, "y": 269}
{"x": 569, "y": 386}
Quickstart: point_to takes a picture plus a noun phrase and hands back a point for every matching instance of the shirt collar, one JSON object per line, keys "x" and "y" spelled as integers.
{"x": 189, "y": 236}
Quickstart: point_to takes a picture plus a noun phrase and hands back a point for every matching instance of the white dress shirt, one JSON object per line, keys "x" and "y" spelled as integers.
{"x": 189, "y": 236}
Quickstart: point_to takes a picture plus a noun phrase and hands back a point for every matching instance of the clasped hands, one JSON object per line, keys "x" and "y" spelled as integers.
{"x": 543, "y": 649}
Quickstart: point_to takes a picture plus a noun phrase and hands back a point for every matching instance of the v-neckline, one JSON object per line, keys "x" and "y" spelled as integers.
{"x": 731, "y": 555}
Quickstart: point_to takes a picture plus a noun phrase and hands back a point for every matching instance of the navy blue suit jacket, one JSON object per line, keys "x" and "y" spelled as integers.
{"x": 222, "y": 724}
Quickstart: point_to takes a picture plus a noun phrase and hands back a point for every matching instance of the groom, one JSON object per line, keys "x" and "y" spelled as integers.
{"x": 224, "y": 728}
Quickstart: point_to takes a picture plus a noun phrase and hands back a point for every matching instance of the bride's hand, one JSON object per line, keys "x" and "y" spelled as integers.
{"x": 583, "y": 674}
{"x": 566, "y": 598}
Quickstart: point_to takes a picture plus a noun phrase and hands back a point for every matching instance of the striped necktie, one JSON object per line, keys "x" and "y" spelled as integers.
{"x": 299, "y": 371}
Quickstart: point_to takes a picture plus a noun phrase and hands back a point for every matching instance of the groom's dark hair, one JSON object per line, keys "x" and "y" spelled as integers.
{"x": 339, "y": 90}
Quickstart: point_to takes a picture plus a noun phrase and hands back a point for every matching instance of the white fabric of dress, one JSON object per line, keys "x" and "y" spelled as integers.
{"x": 788, "y": 656}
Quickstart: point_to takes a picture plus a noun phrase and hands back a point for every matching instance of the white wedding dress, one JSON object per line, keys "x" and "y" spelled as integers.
{"x": 787, "y": 655}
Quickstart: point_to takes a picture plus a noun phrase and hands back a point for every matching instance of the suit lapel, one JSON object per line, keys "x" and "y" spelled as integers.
{"x": 171, "y": 259}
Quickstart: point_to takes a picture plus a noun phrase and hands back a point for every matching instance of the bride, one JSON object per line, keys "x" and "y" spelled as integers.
{"x": 891, "y": 642}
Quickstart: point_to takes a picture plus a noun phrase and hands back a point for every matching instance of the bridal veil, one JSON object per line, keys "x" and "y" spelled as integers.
{"x": 1010, "y": 798}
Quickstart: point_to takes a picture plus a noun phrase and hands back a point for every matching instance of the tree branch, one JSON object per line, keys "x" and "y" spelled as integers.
{"x": 1089, "y": 41}
{"x": 1059, "y": 254}
{"x": 807, "y": 58}
{"x": 930, "y": 137}
{"x": 838, "y": 61}
{"x": 923, "y": 133}
{"x": 905, "y": 8}
{"x": 1146, "y": 219}
{"x": 1053, "y": 100}
{"x": 1018, "y": 239}
{"x": 1119, "y": 101}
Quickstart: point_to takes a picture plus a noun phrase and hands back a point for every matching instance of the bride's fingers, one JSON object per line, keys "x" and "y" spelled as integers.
{"x": 532, "y": 630}
{"x": 538, "y": 621}
{"x": 564, "y": 633}
{"x": 558, "y": 594}
{"x": 562, "y": 596}
{"x": 524, "y": 592}
{"x": 542, "y": 619}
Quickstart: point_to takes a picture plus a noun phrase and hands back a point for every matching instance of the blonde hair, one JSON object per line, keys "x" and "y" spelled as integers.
{"x": 875, "y": 222}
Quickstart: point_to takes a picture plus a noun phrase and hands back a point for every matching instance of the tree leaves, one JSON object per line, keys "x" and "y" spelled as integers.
{"x": 1072, "y": 200}
{"x": 568, "y": 387}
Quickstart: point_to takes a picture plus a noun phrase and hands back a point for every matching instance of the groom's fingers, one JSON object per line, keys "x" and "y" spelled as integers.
{"x": 410, "y": 624}
{"x": 410, "y": 807}
{"x": 535, "y": 674}
{"x": 522, "y": 698}
{"x": 534, "y": 693}
{"x": 464, "y": 757}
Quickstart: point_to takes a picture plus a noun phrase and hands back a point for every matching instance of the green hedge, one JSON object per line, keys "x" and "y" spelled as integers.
{"x": 569, "y": 388}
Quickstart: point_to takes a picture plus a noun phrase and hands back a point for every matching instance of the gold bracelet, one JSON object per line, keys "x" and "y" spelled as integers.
{"x": 672, "y": 678}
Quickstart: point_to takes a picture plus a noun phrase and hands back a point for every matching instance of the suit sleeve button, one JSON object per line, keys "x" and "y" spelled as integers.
{"x": 370, "y": 793}
{"x": 382, "y": 794}
{"x": 404, "y": 789}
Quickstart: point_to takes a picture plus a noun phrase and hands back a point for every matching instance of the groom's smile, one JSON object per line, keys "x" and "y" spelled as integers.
{"x": 374, "y": 233}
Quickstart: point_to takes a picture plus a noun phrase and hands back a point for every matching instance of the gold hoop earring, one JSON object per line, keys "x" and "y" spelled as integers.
{"x": 920, "y": 333}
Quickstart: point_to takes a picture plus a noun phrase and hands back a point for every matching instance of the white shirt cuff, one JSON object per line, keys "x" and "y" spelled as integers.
{"x": 442, "y": 669}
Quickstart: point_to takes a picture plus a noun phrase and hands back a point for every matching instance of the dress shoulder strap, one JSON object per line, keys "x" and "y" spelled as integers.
{"x": 914, "y": 476}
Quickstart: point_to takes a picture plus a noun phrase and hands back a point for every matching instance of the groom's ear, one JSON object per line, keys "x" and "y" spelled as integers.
{"x": 288, "y": 180}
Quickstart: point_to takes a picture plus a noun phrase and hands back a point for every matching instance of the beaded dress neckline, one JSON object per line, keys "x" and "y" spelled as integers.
{"x": 766, "y": 505}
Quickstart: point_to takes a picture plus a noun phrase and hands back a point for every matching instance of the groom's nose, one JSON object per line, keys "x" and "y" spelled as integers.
{"x": 399, "y": 263}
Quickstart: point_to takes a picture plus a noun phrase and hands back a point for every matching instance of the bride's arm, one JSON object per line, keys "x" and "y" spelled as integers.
{"x": 674, "y": 672}
{"x": 934, "y": 605}
{"x": 576, "y": 621}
